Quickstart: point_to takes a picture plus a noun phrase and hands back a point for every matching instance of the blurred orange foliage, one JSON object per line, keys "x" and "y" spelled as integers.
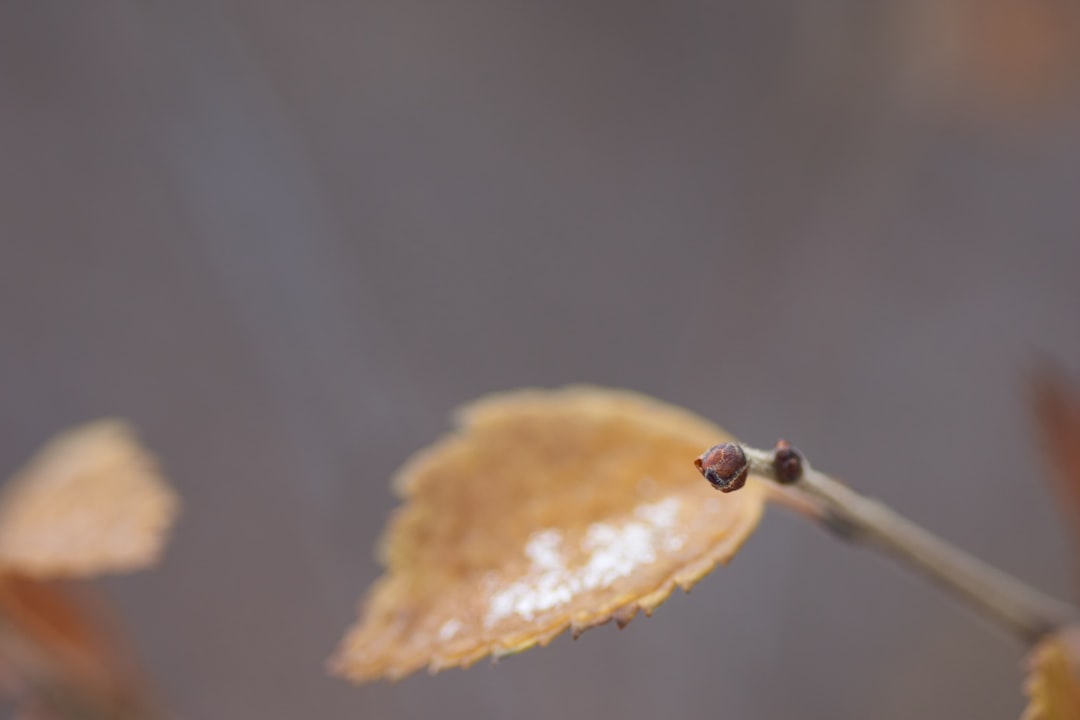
{"x": 91, "y": 501}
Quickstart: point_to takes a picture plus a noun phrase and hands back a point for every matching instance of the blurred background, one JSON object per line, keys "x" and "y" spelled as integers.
{"x": 287, "y": 240}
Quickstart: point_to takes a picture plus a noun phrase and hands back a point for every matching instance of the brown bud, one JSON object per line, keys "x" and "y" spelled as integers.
{"x": 788, "y": 463}
{"x": 724, "y": 466}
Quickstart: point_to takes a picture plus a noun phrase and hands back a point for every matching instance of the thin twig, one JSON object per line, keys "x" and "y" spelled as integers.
{"x": 1023, "y": 610}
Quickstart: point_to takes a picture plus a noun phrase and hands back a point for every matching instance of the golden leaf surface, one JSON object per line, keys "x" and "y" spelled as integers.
{"x": 91, "y": 501}
{"x": 1053, "y": 685}
{"x": 545, "y": 510}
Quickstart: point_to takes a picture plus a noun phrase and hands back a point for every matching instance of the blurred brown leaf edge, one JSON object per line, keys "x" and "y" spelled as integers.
{"x": 1053, "y": 684}
{"x": 91, "y": 501}
{"x": 544, "y": 510}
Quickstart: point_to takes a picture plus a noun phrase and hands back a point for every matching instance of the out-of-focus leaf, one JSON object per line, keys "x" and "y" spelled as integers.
{"x": 60, "y": 637}
{"x": 1053, "y": 685}
{"x": 1057, "y": 411}
{"x": 546, "y": 510}
{"x": 1002, "y": 62}
{"x": 91, "y": 501}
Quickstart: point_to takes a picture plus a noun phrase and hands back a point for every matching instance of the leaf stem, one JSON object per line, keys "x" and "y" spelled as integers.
{"x": 1020, "y": 608}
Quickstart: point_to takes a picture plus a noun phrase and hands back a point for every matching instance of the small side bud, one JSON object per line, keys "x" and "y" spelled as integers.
{"x": 788, "y": 463}
{"x": 724, "y": 466}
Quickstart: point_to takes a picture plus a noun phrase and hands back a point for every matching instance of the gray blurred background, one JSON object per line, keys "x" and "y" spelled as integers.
{"x": 286, "y": 239}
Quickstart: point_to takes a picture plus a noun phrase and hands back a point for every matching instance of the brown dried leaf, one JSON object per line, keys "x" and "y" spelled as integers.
{"x": 1053, "y": 685}
{"x": 91, "y": 501}
{"x": 58, "y": 635}
{"x": 546, "y": 510}
{"x": 1057, "y": 412}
